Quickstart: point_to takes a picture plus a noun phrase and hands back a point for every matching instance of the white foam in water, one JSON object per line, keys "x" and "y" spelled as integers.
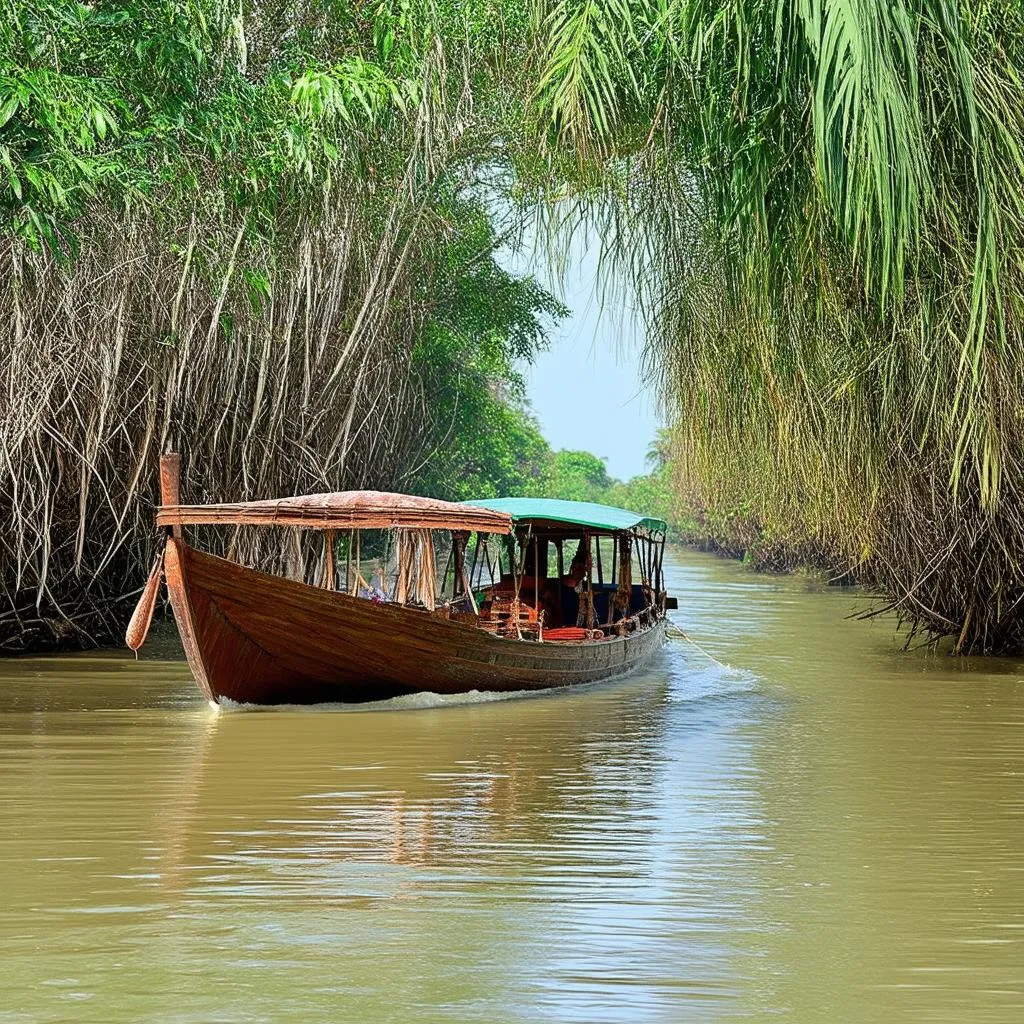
{"x": 426, "y": 700}
{"x": 406, "y": 702}
{"x": 695, "y": 679}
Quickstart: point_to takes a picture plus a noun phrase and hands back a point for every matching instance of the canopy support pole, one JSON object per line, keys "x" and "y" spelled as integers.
{"x": 561, "y": 572}
{"x": 476, "y": 557}
{"x": 348, "y": 560}
{"x": 536, "y": 572}
{"x": 585, "y": 615}
{"x": 460, "y": 540}
{"x": 329, "y": 582}
{"x": 660, "y": 582}
{"x": 444, "y": 578}
{"x": 356, "y": 559}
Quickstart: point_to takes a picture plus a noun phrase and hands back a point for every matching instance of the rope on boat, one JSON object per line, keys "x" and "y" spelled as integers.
{"x": 675, "y": 633}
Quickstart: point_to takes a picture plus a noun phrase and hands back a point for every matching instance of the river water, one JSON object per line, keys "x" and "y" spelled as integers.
{"x": 821, "y": 829}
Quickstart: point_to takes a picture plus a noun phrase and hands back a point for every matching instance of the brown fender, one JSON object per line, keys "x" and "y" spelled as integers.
{"x": 138, "y": 627}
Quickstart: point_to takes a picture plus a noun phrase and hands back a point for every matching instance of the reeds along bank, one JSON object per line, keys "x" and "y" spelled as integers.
{"x": 227, "y": 235}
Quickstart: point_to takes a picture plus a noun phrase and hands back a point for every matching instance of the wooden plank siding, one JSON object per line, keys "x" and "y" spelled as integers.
{"x": 257, "y": 638}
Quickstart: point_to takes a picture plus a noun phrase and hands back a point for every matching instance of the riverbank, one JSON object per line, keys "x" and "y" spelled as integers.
{"x": 946, "y": 619}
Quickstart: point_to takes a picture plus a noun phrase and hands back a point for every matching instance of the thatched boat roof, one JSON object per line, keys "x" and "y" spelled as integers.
{"x": 353, "y": 510}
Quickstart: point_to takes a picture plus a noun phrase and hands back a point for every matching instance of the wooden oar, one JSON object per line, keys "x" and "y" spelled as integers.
{"x": 138, "y": 627}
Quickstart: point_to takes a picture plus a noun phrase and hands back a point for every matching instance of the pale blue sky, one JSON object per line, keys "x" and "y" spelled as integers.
{"x": 587, "y": 391}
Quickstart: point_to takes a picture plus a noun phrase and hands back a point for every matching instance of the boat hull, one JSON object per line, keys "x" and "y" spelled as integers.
{"x": 255, "y": 638}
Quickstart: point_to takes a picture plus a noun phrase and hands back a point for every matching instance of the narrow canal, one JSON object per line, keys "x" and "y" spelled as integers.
{"x": 827, "y": 830}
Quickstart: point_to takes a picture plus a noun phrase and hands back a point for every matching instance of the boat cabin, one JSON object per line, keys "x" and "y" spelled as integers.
{"x": 533, "y": 569}
{"x": 568, "y": 571}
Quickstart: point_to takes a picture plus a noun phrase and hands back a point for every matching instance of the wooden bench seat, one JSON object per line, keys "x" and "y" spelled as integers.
{"x": 505, "y": 613}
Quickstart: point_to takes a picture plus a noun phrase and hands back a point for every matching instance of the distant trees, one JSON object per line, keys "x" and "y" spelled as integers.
{"x": 581, "y": 476}
{"x": 576, "y": 476}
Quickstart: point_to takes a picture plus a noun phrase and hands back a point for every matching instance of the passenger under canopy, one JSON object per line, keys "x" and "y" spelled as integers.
{"x": 614, "y": 583}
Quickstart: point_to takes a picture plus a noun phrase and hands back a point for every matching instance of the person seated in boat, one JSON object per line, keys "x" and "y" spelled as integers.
{"x": 577, "y": 567}
{"x": 549, "y": 604}
{"x": 375, "y": 591}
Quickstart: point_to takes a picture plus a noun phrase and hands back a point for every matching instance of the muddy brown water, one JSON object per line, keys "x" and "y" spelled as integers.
{"x": 826, "y": 830}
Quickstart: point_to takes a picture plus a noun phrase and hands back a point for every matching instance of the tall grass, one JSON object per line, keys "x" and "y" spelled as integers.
{"x": 819, "y": 202}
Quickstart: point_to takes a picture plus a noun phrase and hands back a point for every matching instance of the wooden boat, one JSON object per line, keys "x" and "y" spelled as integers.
{"x": 508, "y": 623}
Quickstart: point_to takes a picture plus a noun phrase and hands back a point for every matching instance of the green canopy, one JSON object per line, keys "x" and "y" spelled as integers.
{"x": 582, "y": 513}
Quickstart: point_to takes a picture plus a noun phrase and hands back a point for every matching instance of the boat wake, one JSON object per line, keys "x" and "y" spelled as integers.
{"x": 406, "y": 702}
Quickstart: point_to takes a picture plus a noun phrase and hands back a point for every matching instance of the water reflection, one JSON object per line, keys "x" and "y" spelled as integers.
{"x": 826, "y": 830}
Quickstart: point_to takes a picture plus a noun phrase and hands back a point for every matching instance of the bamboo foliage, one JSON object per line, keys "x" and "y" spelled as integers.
{"x": 819, "y": 203}
{"x": 288, "y": 379}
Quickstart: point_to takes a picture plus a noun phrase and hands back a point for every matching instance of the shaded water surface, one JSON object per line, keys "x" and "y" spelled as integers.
{"x": 829, "y": 830}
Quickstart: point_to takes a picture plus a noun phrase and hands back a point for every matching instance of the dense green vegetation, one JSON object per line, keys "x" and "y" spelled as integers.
{"x": 582, "y": 476}
{"x": 485, "y": 328}
{"x": 575, "y": 476}
{"x": 250, "y": 231}
{"x": 820, "y": 204}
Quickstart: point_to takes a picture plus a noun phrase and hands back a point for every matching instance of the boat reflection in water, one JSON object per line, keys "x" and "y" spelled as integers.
{"x": 464, "y": 836}
{"x": 449, "y": 781}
